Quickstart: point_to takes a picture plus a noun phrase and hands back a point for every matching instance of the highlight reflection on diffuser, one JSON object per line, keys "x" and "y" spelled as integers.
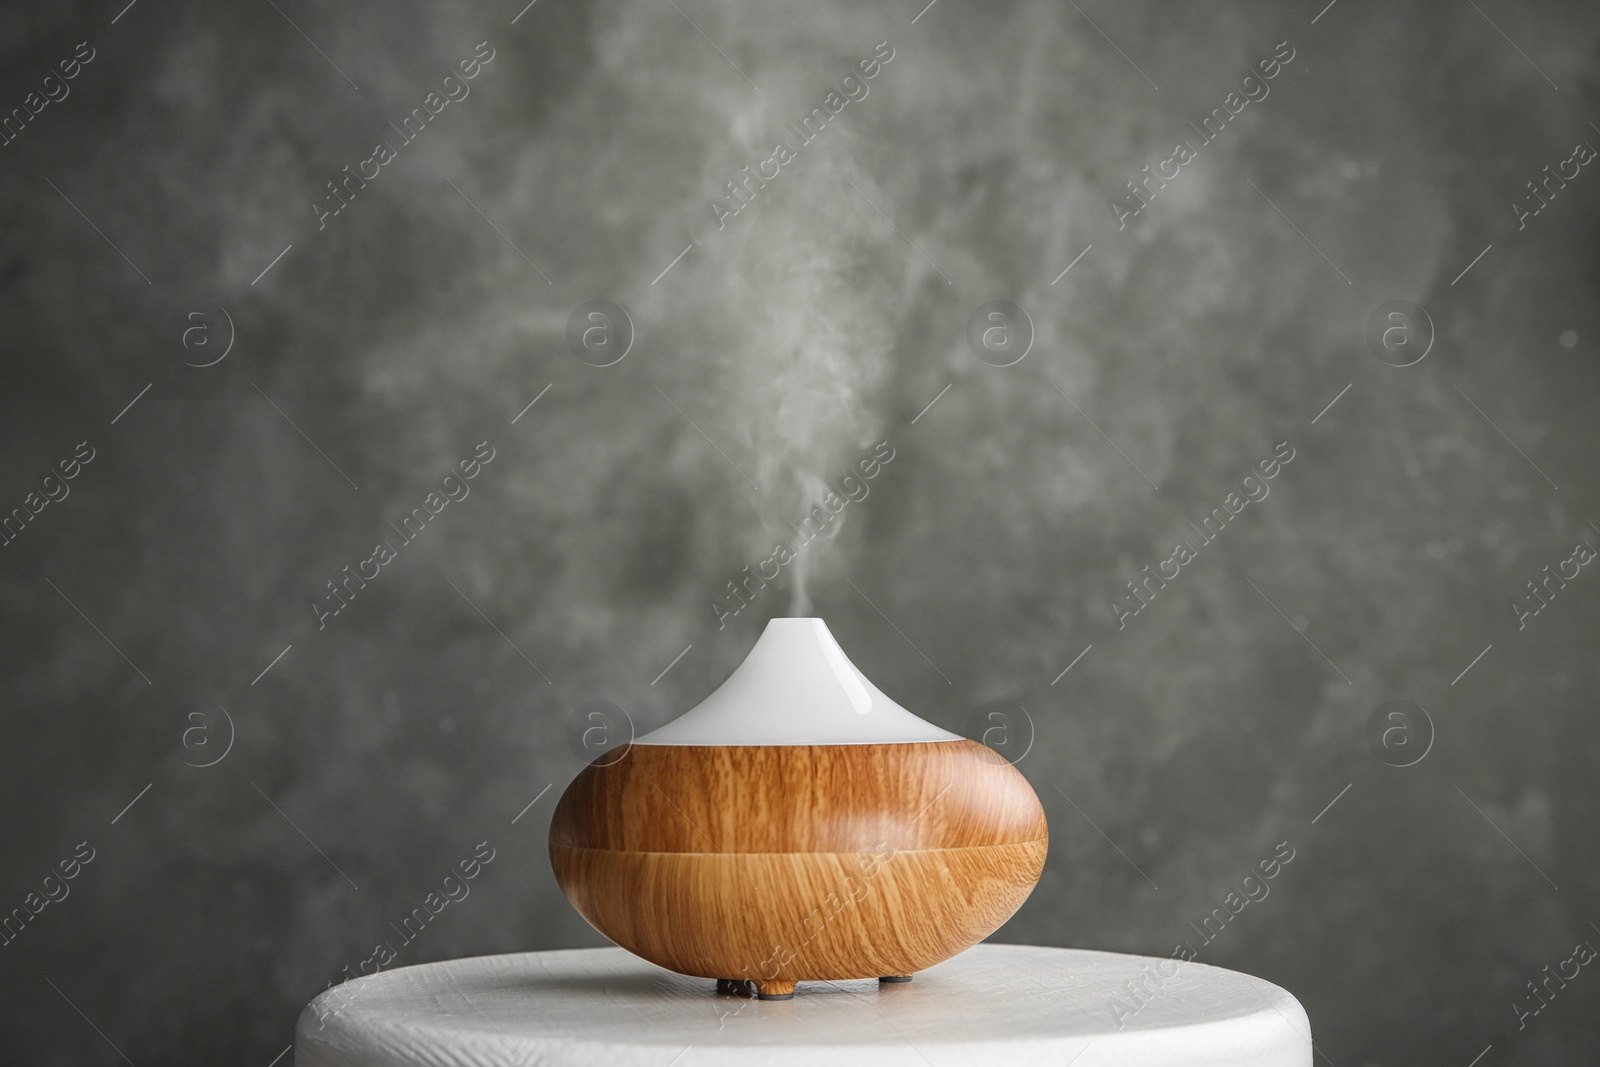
{"x": 727, "y": 843}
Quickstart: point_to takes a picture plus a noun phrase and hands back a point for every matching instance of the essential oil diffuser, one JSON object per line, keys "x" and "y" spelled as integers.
{"x": 798, "y": 825}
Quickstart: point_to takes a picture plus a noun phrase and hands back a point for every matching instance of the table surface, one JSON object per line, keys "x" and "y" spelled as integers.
{"x": 993, "y": 1004}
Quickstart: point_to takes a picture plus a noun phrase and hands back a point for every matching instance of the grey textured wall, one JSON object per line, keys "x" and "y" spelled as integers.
{"x": 178, "y": 572}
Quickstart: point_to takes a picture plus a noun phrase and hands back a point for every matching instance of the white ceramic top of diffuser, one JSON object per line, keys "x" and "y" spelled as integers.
{"x": 796, "y": 687}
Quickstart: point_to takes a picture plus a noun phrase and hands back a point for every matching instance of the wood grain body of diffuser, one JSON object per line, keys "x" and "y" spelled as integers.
{"x": 798, "y": 825}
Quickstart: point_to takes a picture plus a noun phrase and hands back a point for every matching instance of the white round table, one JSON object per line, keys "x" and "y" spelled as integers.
{"x": 993, "y": 1004}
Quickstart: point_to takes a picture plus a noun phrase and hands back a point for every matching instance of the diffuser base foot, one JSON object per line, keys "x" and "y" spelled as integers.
{"x": 893, "y": 978}
{"x": 774, "y": 990}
